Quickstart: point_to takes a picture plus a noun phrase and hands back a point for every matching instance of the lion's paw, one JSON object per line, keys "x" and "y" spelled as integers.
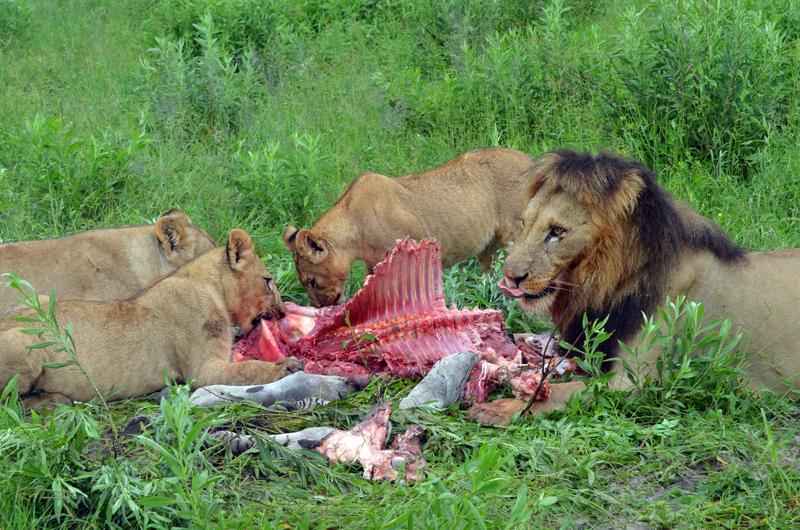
{"x": 495, "y": 413}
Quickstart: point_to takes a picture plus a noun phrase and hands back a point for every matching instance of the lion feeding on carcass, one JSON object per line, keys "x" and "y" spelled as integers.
{"x": 600, "y": 237}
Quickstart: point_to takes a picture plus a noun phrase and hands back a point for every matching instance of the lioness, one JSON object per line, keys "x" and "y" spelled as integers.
{"x": 470, "y": 204}
{"x": 601, "y": 237}
{"x": 180, "y": 326}
{"x": 104, "y": 264}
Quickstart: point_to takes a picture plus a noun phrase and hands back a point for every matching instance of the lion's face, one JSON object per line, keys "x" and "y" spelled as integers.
{"x": 321, "y": 268}
{"x": 556, "y": 231}
{"x": 254, "y": 295}
{"x": 324, "y": 282}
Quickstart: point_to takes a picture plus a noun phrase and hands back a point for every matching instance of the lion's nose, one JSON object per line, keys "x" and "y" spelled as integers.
{"x": 515, "y": 280}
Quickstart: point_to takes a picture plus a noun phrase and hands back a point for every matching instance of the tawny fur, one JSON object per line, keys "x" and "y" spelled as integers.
{"x": 627, "y": 247}
{"x": 470, "y": 204}
{"x": 105, "y": 264}
{"x": 178, "y": 328}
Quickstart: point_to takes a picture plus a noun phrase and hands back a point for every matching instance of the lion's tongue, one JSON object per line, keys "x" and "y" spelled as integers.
{"x": 516, "y": 292}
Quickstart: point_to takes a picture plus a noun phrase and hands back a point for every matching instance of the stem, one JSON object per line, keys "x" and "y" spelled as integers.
{"x": 64, "y": 342}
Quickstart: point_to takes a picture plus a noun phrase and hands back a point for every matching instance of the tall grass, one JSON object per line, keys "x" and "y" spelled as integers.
{"x": 704, "y": 80}
{"x": 15, "y": 19}
{"x": 258, "y": 113}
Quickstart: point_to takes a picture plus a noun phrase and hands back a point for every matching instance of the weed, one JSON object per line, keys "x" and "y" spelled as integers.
{"x": 465, "y": 499}
{"x": 15, "y": 17}
{"x": 698, "y": 365}
{"x": 59, "y": 339}
{"x": 702, "y": 80}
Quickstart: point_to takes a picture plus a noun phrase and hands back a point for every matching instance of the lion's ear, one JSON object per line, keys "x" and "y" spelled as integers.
{"x": 310, "y": 246}
{"x": 172, "y": 233}
{"x": 625, "y": 197}
{"x": 289, "y": 236}
{"x": 177, "y": 213}
{"x": 240, "y": 249}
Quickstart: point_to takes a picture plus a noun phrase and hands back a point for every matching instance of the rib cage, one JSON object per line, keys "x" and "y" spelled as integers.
{"x": 402, "y": 305}
{"x": 398, "y": 322}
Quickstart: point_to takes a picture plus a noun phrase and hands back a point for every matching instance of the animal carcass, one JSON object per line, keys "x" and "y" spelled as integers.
{"x": 398, "y": 323}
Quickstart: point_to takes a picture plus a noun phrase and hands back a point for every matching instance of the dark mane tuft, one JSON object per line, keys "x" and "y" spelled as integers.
{"x": 600, "y": 175}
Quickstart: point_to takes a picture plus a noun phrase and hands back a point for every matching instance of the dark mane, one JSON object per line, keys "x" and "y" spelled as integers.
{"x": 661, "y": 226}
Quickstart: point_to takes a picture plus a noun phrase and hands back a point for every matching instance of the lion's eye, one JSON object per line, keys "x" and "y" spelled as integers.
{"x": 556, "y": 232}
{"x": 312, "y": 283}
{"x": 267, "y": 281}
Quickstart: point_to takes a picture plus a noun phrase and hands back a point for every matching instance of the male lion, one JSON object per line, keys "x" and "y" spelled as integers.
{"x": 470, "y": 204}
{"x": 104, "y": 264}
{"x": 179, "y": 327}
{"x": 601, "y": 237}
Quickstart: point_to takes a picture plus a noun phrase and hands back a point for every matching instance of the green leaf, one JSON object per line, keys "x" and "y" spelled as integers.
{"x": 58, "y": 497}
{"x": 156, "y": 501}
{"x": 41, "y": 345}
{"x": 521, "y": 512}
{"x": 29, "y": 320}
{"x": 59, "y": 364}
{"x": 547, "y": 501}
{"x": 51, "y": 303}
{"x": 196, "y": 429}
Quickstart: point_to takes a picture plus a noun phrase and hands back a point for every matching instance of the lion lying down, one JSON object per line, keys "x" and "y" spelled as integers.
{"x": 601, "y": 237}
{"x": 105, "y": 264}
{"x": 180, "y": 327}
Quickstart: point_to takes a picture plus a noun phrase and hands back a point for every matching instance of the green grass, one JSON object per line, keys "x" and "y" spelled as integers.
{"x": 257, "y": 114}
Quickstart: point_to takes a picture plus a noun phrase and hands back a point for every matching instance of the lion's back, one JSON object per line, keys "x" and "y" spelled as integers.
{"x": 101, "y": 264}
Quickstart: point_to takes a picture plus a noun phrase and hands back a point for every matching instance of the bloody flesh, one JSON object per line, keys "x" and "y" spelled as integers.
{"x": 398, "y": 323}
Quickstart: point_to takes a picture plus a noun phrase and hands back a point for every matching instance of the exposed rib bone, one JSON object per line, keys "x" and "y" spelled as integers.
{"x": 398, "y": 323}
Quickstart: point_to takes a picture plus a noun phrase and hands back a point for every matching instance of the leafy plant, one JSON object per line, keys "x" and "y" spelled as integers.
{"x": 178, "y": 449}
{"x": 76, "y": 179}
{"x": 704, "y": 79}
{"x": 59, "y": 339}
{"x": 15, "y": 18}
{"x": 698, "y": 364}
{"x": 465, "y": 500}
{"x": 213, "y": 88}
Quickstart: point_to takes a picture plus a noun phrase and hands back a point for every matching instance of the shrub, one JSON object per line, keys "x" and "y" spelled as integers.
{"x": 520, "y": 86}
{"x": 208, "y": 92}
{"x": 705, "y": 80}
{"x": 698, "y": 366}
{"x": 66, "y": 180}
{"x": 282, "y": 185}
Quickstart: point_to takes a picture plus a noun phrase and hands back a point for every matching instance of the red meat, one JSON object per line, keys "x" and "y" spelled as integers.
{"x": 398, "y": 323}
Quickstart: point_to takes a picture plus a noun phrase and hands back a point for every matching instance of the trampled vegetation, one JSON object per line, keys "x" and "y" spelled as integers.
{"x": 257, "y": 113}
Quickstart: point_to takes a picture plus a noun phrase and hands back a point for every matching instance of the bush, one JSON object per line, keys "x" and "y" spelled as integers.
{"x": 517, "y": 87}
{"x": 69, "y": 181}
{"x": 280, "y": 185}
{"x": 705, "y": 80}
{"x": 208, "y": 92}
{"x": 698, "y": 366}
